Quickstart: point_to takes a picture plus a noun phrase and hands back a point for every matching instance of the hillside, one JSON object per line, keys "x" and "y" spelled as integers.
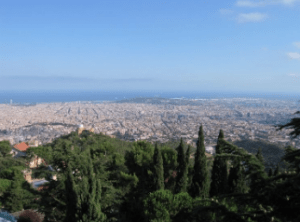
{"x": 272, "y": 153}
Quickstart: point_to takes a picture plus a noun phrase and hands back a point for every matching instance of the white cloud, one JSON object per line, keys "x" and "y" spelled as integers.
{"x": 297, "y": 44}
{"x": 260, "y": 3}
{"x": 242, "y": 3}
{"x": 251, "y": 17}
{"x": 293, "y": 55}
{"x": 224, "y": 11}
{"x": 293, "y": 75}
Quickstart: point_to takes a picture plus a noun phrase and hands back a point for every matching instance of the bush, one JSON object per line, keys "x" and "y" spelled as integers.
{"x": 4, "y": 185}
{"x": 30, "y": 216}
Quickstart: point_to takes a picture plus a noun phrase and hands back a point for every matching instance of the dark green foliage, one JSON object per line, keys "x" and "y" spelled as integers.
{"x": 4, "y": 185}
{"x": 12, "y": 172}
{"x": 30, "y": 216}
{"x": 277, "y": 170}
{"x": 218, "y": 147}
{"x": 280, "y": 194}
{"x": 187, "y": 155}
{"x": 200, "y": 182}
{"x": 221, "y": 135}
{"x": 162, "y": 205}
{"x": 83, "y": 195}
{"x": 71, "y": 196}
{"x": 236, "y": 179}
{"x": 127, "y": 190}
{"x": 157, "y": 206}
{"x": 44, "y": 152}
{"x": 5, "y": 148}
{"x": 53, "y": 201}
{"x": 271, "y": 152}
{"x": 8, "y": 162}
{"x": 42, "y": 172}
{"x": 158, "y": 169}
{"x": 169, "y": 156}
{"x": 294, "y": 124}
{"x": 24, "y": 219}
{"x": 190, "y": 166}
{"x": 219, "y": 175}
{"x": 182, "y": 170}
{"x": 292, "y": 158}
{"x": 259, "y": 156}
{"x": 14, "y": 197}
{"x": 270, "y": 172}
{"x": 15, "y": 192}
{"x": 139, "y": 162}
{"x": 108, "y": 164}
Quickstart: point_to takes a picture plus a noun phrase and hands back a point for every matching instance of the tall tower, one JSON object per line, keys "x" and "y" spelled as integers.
{"x": 10, "y": 101}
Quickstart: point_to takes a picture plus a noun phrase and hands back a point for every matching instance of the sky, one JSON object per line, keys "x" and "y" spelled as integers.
{"x": 151, "y": 45}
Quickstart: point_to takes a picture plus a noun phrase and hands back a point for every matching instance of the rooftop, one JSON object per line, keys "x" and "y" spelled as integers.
{"x": 21, "y": 146}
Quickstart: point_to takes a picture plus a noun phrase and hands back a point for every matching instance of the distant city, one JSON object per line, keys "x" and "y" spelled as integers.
{"x": 152, "y": 119}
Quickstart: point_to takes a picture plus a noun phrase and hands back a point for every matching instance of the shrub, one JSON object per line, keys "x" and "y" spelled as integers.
{"x": 30, "y": 216}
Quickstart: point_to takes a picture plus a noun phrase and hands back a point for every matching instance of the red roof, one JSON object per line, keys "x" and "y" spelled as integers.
{"x": 21, "y": 146}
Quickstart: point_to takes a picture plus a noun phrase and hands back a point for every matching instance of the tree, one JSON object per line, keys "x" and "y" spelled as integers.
{"x": 270, "y": 172}
{"x": 294, "y": 124}
{"x": 71, "y": 196}
{"x": 162, "y": 205}
{"x": 236, "y": 179}
{"x": 169, "y": 156}
{"x": 219, "y": 177}
{"x": 181, "y": 178}
{"x": 190, "y": 167}
{"x": 30, "y": 216}
{"x": 83, "y": 195}
{"x": 259, "y": 155}
{"x": 139, "y": 161}
{"x": 187, "y": 154}
{"x": 277, "y": 170}
{"x": 220, "y": 137}
{"x": 158, "y": 169}
{"x": 14, "y": 197}
{"x": 200, "y": 181}
{"x": 5, "y": 147}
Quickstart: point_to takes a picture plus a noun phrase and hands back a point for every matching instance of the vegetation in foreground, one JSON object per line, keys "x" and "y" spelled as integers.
{"x": 105, "y": 179}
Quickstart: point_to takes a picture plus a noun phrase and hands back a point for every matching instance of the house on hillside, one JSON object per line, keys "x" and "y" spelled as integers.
{"x": 36, "y": 161}
{"x": 19, "y": 150}
{"x": 27, "y": 175}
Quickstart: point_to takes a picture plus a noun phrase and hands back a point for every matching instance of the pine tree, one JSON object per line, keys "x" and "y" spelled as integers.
{"x": 200, "y": 181}
{"x": 14, "y": 197}
{"x": 270, "y": 174}
{"x": 158, "y": 169}
{"x": 87, "y": 196}
{"x": 277, "y": 170}
{"x": 220, "y": 137}
{"x": 236, "y": 179}
{"x": 187, "y": 155}
{"x": 71, "y": 196}
{"x": 190, "y": 168}
{"x": 259, "y": 155}
{"x": 181, "y": 178}
{"x": 219, "y": 175}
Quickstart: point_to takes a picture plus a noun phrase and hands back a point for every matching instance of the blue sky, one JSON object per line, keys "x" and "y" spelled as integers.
{"x": 152, "y": 45}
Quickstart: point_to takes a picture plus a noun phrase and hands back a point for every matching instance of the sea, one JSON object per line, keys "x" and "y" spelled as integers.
{"x": 36, "y": 97}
